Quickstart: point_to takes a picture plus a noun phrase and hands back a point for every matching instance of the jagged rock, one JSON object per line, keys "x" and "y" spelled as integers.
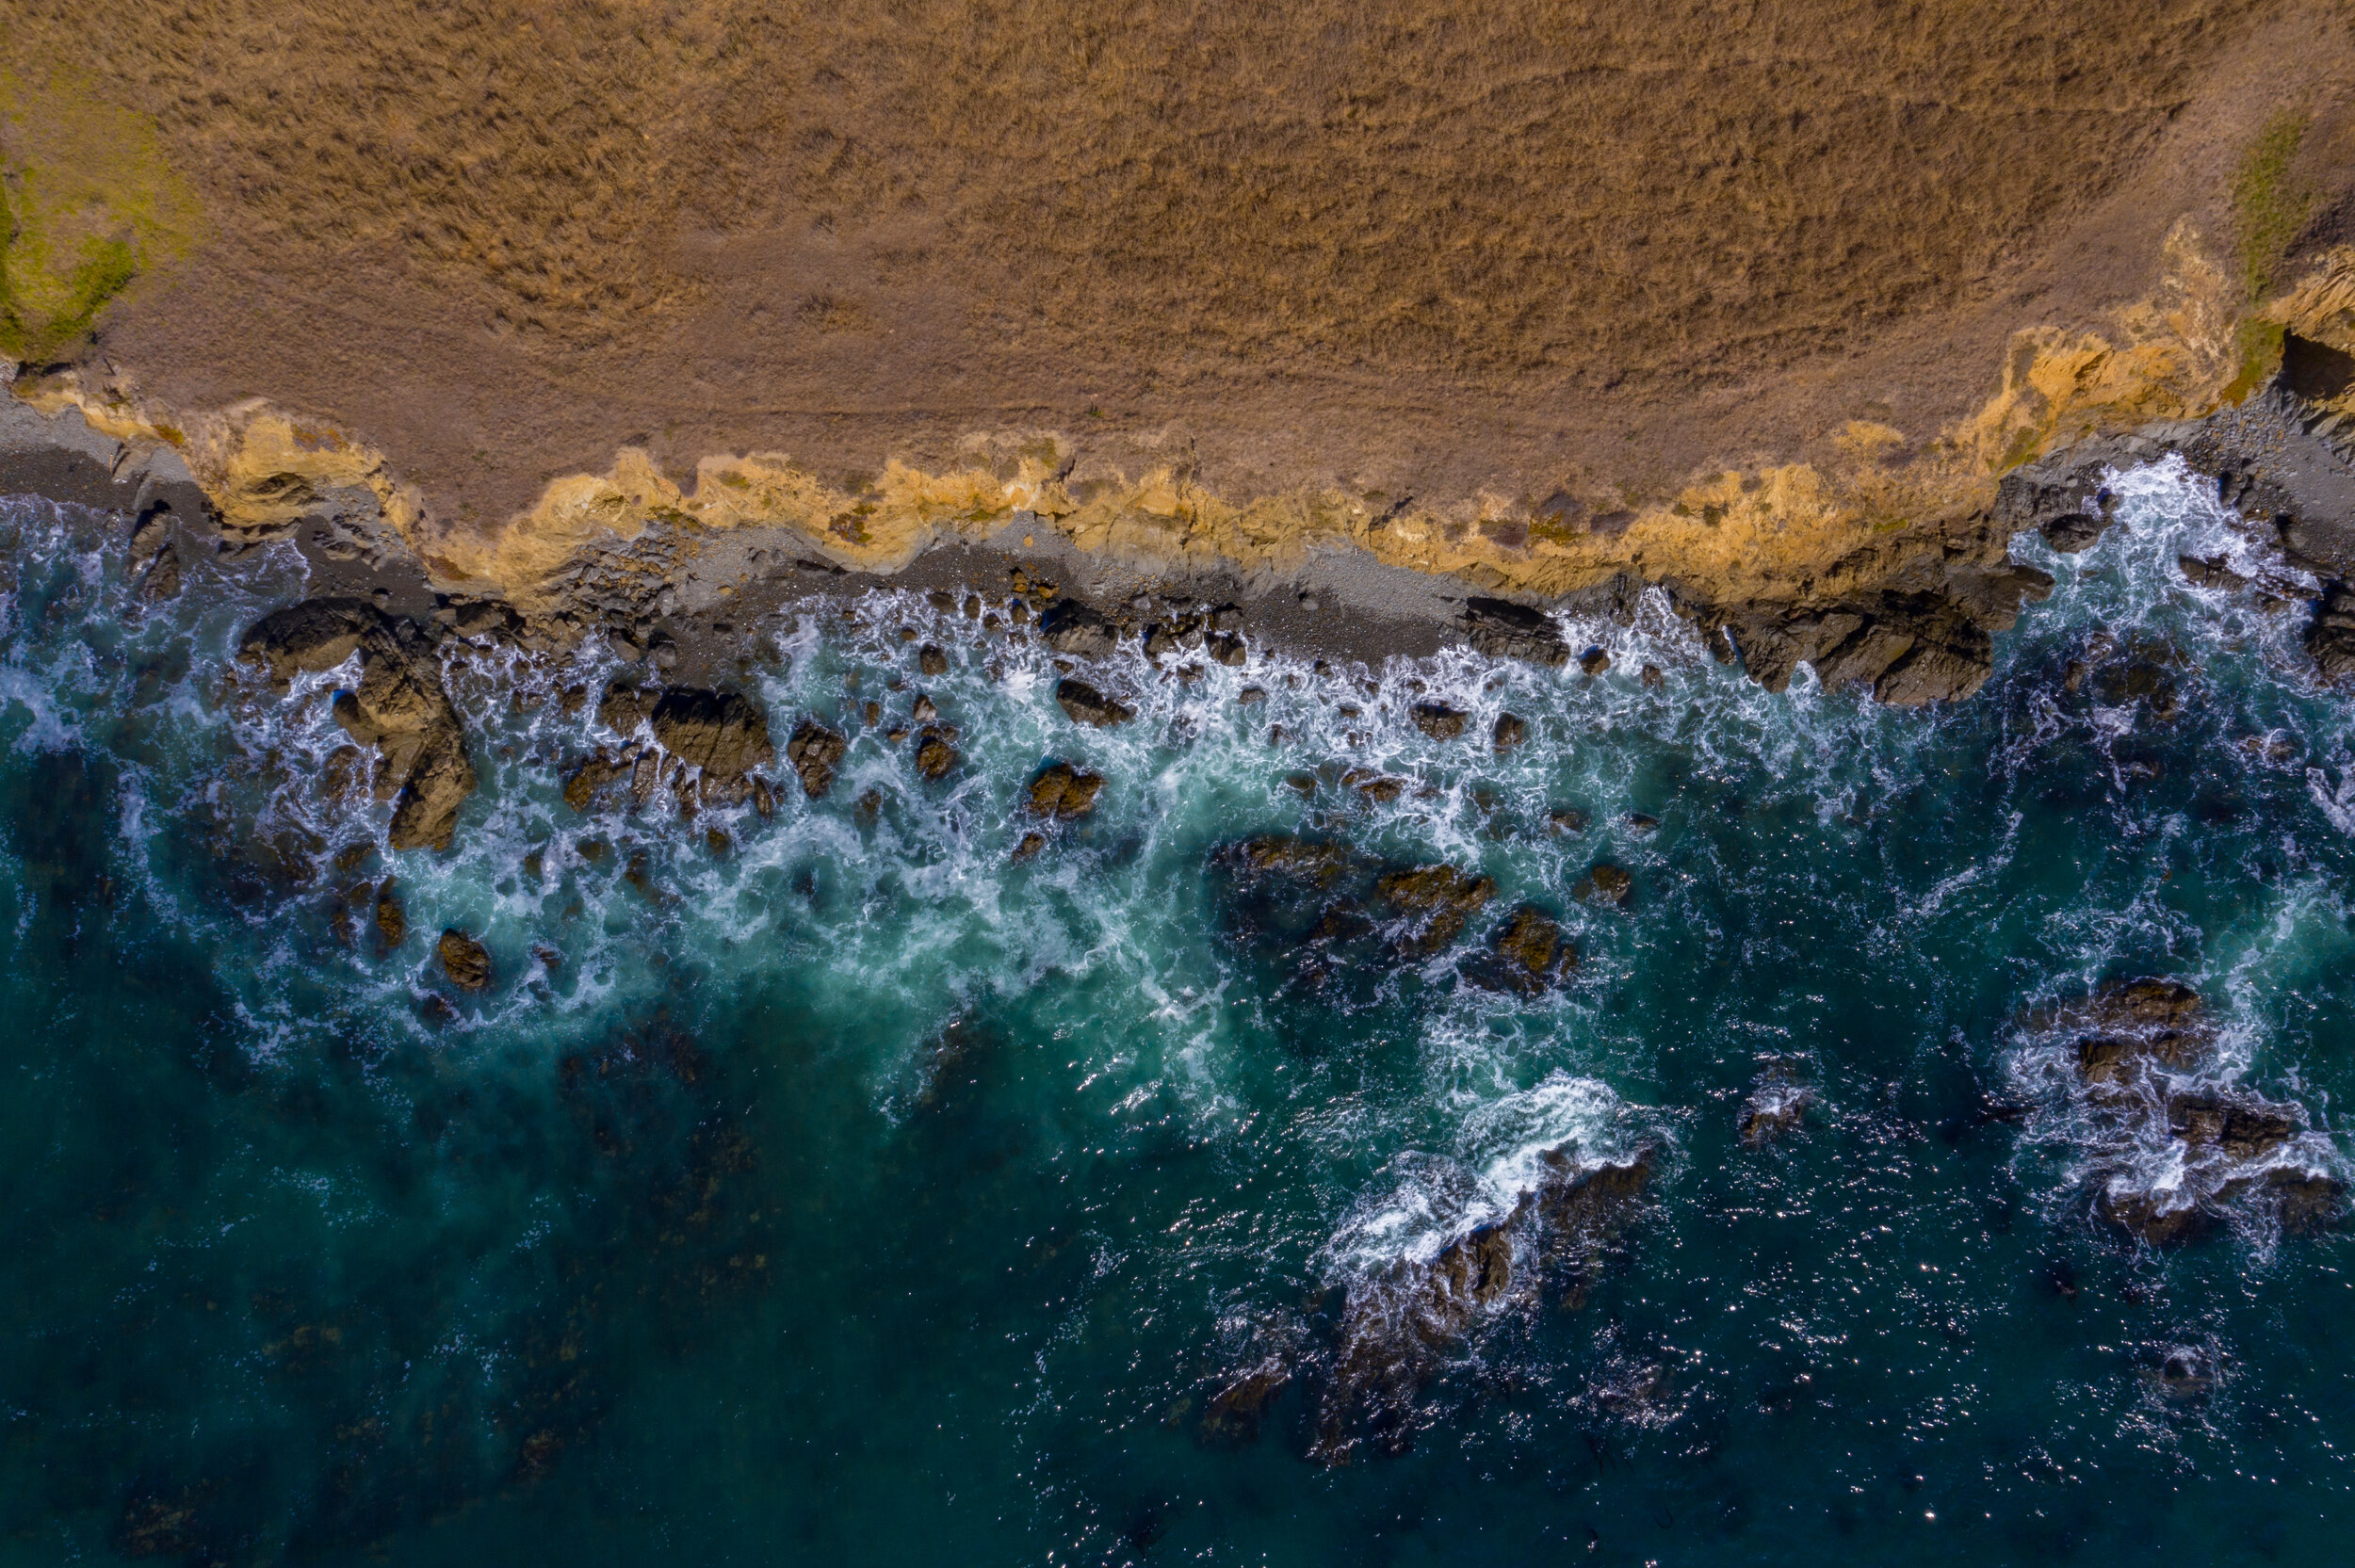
{"x": 2210, "y": 572}
{"x": 398, "y": 708}
{"x": 346, "y": 775}
{"x": 1029, "y": 847}
{"x": 2057, "y": 491}
{"x": 392, "y": 922}
{"x": 1603, "y": 883}
{"x": 1278, "y": 854}
{"x": 1084, "y": 704}
{"x": 1510, "y": 732}
{"x": 163, "y": 578}
{"x": 931, "y": 661}
{"x": 1594, "y": 661}
{"x": 2074, "y": 532}
{"x": 1502, "y": 629}
{"x": 1398, "y": 1328}
{"x": 722, "y": 732}
{"x": 1227, "y": 649}
{"x": 815, "y": 750}
{"x": 2167, "y": 1144}
{"x": 935, "y": 756}
{"x": 625, "y": 706}
{"x": 592, "y": 774}
{"x": 1064, "y": 792}
{"x": 1250, "y": 696}
{"x": 466, "y": 962}
{"x": 1435, "y": 901}
{"x": 2330, "y": 635}
{"x": 1439, "y": 721}
{"x": 1531, "y": 953}
{"x": 1566, "y": 819}
{"x": 313, "y": 636}
{"x": 486, "y": 618}
{"x": 1069, "y": 626}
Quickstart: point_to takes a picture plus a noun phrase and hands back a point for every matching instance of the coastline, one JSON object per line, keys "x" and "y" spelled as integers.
{"x": 690, "y": 586}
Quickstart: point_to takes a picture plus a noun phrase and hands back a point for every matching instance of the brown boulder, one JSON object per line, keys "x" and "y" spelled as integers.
{"x": 466, "y": 962}
{"x": 1603, "y": 883}
{"x": 815, "y": 750}
{"x": 1531, "y": 952}
{"x": 935, "y": 756}
{"x": 1439, "y": 721}
{"x": 1435, "y": 901}
{"x": 1510, "y": 731}
{"x": 722, "y": 732}
{"x": 1064, "y": 791}
{"x": 623, "y": 707}
{"x": 1084, "y": 704}
{"x": 399, "y": 706}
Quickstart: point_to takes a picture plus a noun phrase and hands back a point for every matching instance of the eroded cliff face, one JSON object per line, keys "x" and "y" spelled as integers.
{"x": 1782, "y": 374}
{"x": 1884, "y": 513}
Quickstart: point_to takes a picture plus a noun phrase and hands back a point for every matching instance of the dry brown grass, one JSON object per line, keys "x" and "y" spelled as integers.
{"x": 1685, "y": 187}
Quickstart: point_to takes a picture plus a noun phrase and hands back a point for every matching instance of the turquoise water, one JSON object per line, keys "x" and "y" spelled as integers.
{"x": 845, "y": 1191}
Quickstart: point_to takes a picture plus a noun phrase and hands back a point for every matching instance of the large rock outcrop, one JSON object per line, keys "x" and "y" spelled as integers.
{"x": 1401, "y": 1326}
{"x": 399, "y": 706}
{"x": 2167, "y": 1143}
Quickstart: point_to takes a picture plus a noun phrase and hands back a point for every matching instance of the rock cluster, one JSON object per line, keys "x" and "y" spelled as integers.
{"x": 1063, "y": 792}
{"x": 1504, "y": 630}
{"x": 815, "y": 752}
{"x": 1400, "y": 1328}
{"x": 1431, "y": 904}
{"x": 2170, "y": 1147}
{"x": 704, "y": 748}
{"x": 399, "y": 708}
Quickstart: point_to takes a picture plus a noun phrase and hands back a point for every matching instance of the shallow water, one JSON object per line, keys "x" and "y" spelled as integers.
{"x": 838, "y": 1189}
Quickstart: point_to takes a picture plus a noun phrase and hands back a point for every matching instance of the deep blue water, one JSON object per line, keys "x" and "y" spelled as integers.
{"x": 848, "y": 1193}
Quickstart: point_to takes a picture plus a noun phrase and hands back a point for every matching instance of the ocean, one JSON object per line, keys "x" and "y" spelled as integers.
{"x": 844, "y": 1185}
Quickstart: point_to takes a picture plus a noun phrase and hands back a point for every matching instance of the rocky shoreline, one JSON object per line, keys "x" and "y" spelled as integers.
{"x": 679, "y": 602}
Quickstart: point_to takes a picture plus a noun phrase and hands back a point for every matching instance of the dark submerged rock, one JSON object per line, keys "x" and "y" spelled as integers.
{"x": 1510, "y": 732}
{"x": 1603, "y": 883}
{"x": 1399, "y": 1327}
{"x": 392, "y": 922}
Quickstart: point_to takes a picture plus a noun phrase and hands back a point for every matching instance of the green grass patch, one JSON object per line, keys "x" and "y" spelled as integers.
{"x": 2269, "y": 207}
{"x": 86, "y": 205}
{"x": 2022, "y": 447}
{"x": 2257, "y": 349}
